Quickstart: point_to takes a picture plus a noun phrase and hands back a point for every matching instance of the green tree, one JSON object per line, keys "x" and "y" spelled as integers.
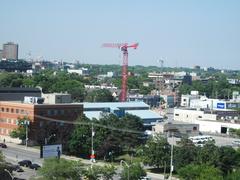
{"x": 208, "y": 154}
{"x": 233, "y": 131}
{"x": 184, "y": 154}
{"x": 156, "y": 152}
{"x": 94, "y": 172}
{"x": 61, "y": 169}
{"x": 79, "y": 143}
{"x": 199, "y": 172}
{"x": 108, "y": 171}
{"x": 20, "y": 131}
{"x": 133, "y": 172}
{"x": 112, "y": 135}
{"x": 235, "y": 175}
{"x": 101, "y": 95}
{"x": 228, "y": 159}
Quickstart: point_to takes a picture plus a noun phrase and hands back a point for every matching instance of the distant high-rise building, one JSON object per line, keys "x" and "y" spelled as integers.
{"x": 10, "y": 51}
{"x": 1, "y": 54}
{"x": 197, "y": 67}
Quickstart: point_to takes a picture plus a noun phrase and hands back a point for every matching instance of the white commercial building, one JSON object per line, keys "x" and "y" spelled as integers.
{"x": 219, "y": 122}
{"x": 82, "y": 71}
{"x": 196, "y": 101}
{"x": 56, "y": 98}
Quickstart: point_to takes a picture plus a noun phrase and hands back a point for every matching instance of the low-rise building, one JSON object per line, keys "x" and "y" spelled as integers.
{"x": 18, "y": 94}
{"x": 179, "y": 128}
{"x": 44, "y": 119}
{"x": 82, "y": 71}
{"x": 140, "y": 109}
{"x": 56, "y": 98}
{"x": 209, "y": 121}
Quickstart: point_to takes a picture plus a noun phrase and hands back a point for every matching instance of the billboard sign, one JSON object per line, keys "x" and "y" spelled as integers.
{"x": 232, "y": 105}
{"x": 51, "y": 151}
{"x": 221, "y": 105}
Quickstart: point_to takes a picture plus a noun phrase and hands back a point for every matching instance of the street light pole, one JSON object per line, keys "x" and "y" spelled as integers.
{"x": 171, "y": 161}
{"x": 122, "y": 161}
{"x": 26, "y": 124}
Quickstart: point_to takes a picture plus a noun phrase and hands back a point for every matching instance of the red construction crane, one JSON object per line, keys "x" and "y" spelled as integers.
{"x": 124, "y": 48}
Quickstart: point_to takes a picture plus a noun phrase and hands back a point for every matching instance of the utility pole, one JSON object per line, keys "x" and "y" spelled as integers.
{"x": 92, "y": 150}
{"x": 171, "y": 160}
{"x": 26, "y": 122}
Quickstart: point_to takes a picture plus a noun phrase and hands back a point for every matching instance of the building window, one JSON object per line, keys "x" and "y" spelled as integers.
{"x": 22, "y": 111}
{"x": 62, "y": 112}
{"x": 176, "y": 114}
{"x": 55, "y": 112}
{"x": 17, "y": 111}
{"x": 40, "y": 123}
{"x": 199, "y": 116}
{"x": 41, "y": 113}
{"x": 12, "y": 110}
{"x": 2, "y": 109}
{"x": 194, "y": 128}
{"x": 9, "y": 121}
{"x": 50, "y": 112}
{"x": 7, "y": 109}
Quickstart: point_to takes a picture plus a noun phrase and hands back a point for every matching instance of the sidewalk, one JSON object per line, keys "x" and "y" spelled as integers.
{"x": 85, "y": 161}
{"x": 23, "y": 147}
{"x": 35, "y": 150}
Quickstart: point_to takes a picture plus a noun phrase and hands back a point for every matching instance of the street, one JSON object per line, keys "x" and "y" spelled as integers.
{"x": 15, "y": 153}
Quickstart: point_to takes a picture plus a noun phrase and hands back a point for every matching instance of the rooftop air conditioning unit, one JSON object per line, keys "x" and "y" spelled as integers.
{"x": 33, "y": 100}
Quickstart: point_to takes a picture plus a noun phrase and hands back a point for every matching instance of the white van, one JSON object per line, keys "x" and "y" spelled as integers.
{"x": 201, "y": 139}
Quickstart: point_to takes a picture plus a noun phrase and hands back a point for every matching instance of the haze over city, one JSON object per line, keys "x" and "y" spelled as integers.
{"x": 183, "y": 33}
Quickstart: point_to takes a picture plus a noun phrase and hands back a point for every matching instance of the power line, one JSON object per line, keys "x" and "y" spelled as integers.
{"x": 89, "y": 124}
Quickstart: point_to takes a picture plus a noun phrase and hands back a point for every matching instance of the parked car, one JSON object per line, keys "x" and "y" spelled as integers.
{"x": 145, "y": 178}
{"x": 3, "y": 145}
{"x": 236, "y": 142}
{"x": 35, "y": 166}
{"x": 17, "y": 168}
{"x": 26, "y": 163}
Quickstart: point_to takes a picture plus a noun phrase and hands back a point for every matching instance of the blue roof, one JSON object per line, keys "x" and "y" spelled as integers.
{"x": 92, "y": 114}
{"x": 114, "y": 105}
{"x": 145, "y": 114}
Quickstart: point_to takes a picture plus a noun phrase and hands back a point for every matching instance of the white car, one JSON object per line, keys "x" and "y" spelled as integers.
{"x": 145, "y": 178}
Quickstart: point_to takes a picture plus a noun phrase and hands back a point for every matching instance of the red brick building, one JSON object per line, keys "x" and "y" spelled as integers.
{"x": 45, "y": 119}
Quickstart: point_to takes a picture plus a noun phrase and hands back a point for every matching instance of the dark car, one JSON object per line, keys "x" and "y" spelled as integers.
{"x": 2, "y": 145}
{"x": 26, "y": 163}
{"x": 34, "y": 166}
{"x": 17, "y": 168}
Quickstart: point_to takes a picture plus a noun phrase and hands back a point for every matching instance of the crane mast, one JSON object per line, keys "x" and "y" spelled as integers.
{"x": 124, "y": 48}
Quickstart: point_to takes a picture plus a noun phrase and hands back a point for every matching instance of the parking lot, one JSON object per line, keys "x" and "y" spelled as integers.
{"x": 219, "y": 141}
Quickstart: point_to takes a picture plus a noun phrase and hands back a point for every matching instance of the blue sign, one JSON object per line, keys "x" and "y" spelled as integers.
{"x": 221, "y": 105}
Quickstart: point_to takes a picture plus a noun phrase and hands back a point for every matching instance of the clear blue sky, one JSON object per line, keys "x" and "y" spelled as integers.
{"x": 183, "y": 32}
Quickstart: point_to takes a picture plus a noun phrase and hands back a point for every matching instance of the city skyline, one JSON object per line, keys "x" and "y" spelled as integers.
{"x": 182, "y": 33}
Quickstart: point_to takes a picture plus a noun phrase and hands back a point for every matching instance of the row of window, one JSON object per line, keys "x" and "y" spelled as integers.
{"x": 55, "y": 112}
{"x": 51, "y": 112}
{"x": 9, "y": 121}
{"x": 5, "y": 131}
{"x": 17, "y": 111}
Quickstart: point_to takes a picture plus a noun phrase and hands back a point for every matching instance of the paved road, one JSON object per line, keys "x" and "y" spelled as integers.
{"x": 15, "y": 153}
